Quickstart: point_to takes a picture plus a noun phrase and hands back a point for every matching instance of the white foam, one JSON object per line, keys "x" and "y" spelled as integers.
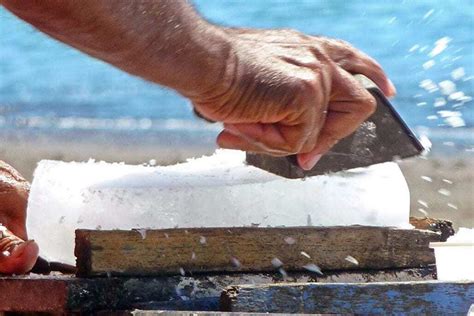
{"x": 216, "y": 191}
{"x": 428, "y": 14}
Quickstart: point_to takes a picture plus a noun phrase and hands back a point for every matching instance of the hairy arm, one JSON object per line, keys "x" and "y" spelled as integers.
{"x": 278, "y": 92}
{"x": 164, "y": 41}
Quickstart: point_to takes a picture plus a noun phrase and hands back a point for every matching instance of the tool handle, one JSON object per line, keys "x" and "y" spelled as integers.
{"x": 43, "y": 266}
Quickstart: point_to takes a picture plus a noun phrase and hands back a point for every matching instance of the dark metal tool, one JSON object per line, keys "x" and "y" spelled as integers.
{"x": 384, "y": 136}
{"x": 43, "y": 266}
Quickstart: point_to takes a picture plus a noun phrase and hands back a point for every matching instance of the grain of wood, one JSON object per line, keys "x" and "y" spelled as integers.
{"x": 174, "y": 251}
{"x": 407, "y": 298}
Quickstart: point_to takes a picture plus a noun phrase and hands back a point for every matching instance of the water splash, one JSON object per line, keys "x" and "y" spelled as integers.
{"x": 423, "y": 203}
{"x": 290, "y": 240}
{"x": 352, "y": 260}
{"x": 426, "y": 178}
{"x": 440, "y": 46}
{"x": 444, "y": 192}
{"x": 424, "y": 212}
{"x": 276, "y": 263}
{"x": 304, "y": 254}
{"x": 453, "y": 206}
{"x": 141, "y": 231}
{"x": 235, "y": 262}
{"x": 428, "y": 14}
{"x": 313, "y": 268}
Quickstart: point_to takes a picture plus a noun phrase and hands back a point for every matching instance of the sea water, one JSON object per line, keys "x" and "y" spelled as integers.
{"x": 426, "y": 48}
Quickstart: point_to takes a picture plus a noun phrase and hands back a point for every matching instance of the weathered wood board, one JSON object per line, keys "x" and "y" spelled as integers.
{"x": 379, "y": 298}
{"x": 196, "y": 250}
{"x": 61, "y": 293}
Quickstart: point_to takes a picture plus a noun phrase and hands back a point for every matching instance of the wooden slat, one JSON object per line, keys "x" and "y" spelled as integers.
{"x": 407, "y": 298}
{"x": 59, "y": 293}
{"x": 170, "y": 251}
{"x": 37, "y": 294}
{"x": 184, "y": 313}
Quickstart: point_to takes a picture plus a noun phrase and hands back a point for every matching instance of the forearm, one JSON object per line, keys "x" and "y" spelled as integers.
{"x": 164, "y": 41}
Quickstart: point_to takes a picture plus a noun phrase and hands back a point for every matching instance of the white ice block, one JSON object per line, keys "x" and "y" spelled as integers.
{"x": 455, "y": 257}
{"x": 216, "y": 191}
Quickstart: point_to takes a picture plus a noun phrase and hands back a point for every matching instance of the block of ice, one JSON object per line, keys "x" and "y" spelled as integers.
{"x": 216, "y": 191}
{"x": 454, "y": 257}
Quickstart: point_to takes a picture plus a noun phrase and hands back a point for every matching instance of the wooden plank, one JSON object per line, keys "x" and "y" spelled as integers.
{"x": 37, "y": 294}
{"x": 172, "y": 251}
{"x": 184, "y": 313}
{"x": 412, "y": 298}
{"x": 61, "y": 293}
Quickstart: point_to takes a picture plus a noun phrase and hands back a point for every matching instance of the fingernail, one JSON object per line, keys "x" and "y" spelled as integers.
{"x": 310, "y": 163}
{"x": 392, "y": 88}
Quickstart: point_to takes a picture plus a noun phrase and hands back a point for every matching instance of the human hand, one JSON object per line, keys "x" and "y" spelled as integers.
{"x": 286, "y": 93}
{"x": 17, "y": 253}
{"x": 14, "y": 191}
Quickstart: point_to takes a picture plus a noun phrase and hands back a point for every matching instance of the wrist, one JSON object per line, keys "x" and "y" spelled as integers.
{"x": 208, "y": 62}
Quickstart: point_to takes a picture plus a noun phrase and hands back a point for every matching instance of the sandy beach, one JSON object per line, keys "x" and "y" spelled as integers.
{"x": 449, "y": 194}
{"x": 442, "y": 185}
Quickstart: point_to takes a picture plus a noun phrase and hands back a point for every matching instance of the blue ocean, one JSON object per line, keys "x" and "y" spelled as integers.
{"x": 425, "y": 46}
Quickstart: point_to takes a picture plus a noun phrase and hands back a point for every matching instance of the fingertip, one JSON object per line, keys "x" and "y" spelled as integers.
{"x": 223, "y": 139}
{"x": 392, "y": 90}
{"x": 308, "y": 161}
{"x": 387, "y": 86}
{"x": 229, "y": 140}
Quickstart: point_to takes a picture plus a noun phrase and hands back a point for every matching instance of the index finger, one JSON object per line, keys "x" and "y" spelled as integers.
{"x": 356, "y": 61}
{"x": 367, "y": 66}
{"x": 351, "y": 105}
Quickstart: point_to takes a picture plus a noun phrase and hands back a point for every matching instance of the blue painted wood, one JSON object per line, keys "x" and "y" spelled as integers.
{"x": 414, "y": 298}
{"x": 197, "y": 293}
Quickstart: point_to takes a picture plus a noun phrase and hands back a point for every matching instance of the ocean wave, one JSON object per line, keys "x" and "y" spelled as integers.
{"x": 464, "y": 135}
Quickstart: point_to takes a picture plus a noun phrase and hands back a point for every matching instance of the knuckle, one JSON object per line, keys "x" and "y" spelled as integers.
{"x": 297, "y": 147}
{"x": 347, "y": 47}
{"x": 307, "y": 84}
{"x": 296, "y": 33}
{"x": 309, "y": 146}
{"x": 368, "y": 61}
{"x": 341, "y": 42}
{"x": 293, "y": 147}
{"x": 304, "y": 144}
{"x": 369, "y": 105}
